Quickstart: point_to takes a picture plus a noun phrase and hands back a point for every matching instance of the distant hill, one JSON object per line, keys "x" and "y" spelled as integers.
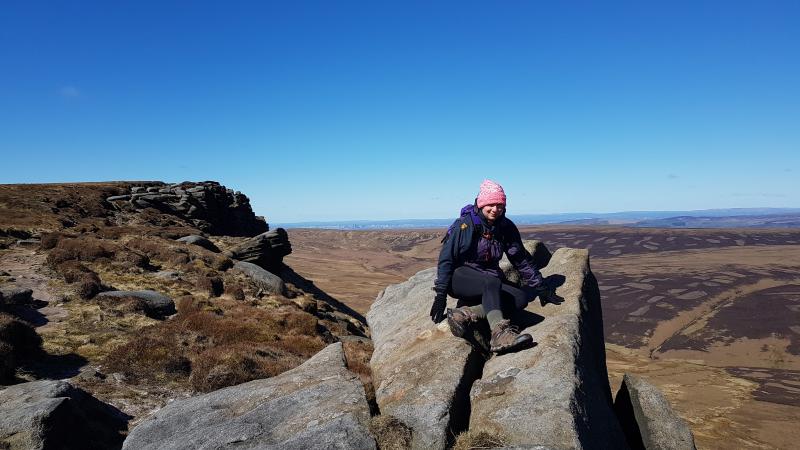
{"x": 768, "y": 221}
{"x": 706, "y": 218}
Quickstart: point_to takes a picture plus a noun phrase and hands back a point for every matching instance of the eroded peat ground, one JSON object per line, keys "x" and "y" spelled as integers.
{"x": 711, "y": 316}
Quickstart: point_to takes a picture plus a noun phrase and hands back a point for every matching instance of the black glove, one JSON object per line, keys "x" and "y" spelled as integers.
{"x": 439, "y": 305}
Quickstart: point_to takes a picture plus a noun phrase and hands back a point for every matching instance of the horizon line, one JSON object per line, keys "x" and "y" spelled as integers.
{"x": 531, "y": 215}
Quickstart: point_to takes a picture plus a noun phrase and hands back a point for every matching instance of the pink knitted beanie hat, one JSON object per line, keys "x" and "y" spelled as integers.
{"x": 490, "y": 194}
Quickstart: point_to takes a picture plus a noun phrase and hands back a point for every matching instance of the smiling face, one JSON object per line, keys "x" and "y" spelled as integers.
{"x": 493, "y": 212}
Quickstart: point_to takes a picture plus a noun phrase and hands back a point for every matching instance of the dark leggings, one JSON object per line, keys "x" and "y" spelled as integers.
{"x": 474, "y": 287}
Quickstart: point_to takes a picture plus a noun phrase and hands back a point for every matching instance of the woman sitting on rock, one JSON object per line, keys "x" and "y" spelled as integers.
{"x": 469, "y": 269}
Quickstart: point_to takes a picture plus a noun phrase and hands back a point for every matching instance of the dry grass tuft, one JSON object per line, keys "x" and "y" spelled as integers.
{"x": 470, "y": 440}
{"x": 390, "y": 433}
{"x": 159, "y": 249}
{"x": 19, "y": 335}
{"x": 148, "y": 356}
{"x": 216, "y": 368}
{"x": 88, "y": 286}
{"x": 128, "y": 258}
{"x": 50, "y": 240}
{"x": 357, "y": 353}
{"x": 72, "y": 270}
{"x": 82, "y": 248}
{"x": 219, "y": 262}
{"x": 120, "y": 306}
{"x": 210, "y": 285}
{"x": 235, "y": 292}
{"x": 299, "y": 344}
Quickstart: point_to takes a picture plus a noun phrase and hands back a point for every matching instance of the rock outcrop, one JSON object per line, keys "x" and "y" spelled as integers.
{"x": 647, "y": 418}
{"x": 421, "y": 373}
{"x": 317, "y": 405}
{"x": 557, "y": 393}
{"x": 207, "y": 205}
{"x": 262, "y": 278}
{"x": 11, "y": 295}
{"x": 54, "y": 414}
{"x": 152, "y": 303}
{"x": 266, "y": 250}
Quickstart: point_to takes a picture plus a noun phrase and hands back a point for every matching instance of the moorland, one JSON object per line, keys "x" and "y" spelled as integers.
{"x": 709, "y": 315}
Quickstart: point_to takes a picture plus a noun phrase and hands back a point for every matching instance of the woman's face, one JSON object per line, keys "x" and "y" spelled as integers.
{"x": 493, "y": 211}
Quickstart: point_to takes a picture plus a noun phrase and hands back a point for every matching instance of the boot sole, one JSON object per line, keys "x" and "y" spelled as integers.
{"x": 522, "y": 341}
{"x": 457, "y": 329}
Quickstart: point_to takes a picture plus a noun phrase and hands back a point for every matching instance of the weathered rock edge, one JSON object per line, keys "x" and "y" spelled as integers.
{"x": 207, "y": 205}
{"x": 647, "y": 418}
{"x": 555, "y": 394}
{"x": 317, "y": 405}
{"x": 155, "y": 304}
{"x": 421, "y": 372}
{"x": 263, "y": 278}
{"x": 54, "y": 414}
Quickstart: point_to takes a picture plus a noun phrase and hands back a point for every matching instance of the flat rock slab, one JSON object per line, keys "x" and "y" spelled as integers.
{"x": 54, "y": 414}
{"x": 263, "y": 278}
{"x": 420, "y": 370}
{"x": 555, "y": 394}
{"x": 317, "y": 405}
{"x": 647, "y": 418}
{"x": 155, "y": 304}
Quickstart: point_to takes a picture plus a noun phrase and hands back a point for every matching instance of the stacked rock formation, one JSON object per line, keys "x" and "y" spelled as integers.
{"x": 207, "y": 205}
{"x": 266, "y": 250}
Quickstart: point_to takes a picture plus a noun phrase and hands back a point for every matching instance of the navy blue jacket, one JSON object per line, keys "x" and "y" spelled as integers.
{"x": 459, "y": 247}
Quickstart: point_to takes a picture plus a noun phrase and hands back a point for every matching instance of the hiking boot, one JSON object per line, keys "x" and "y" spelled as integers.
{"x": 459, "y": 319}
{"x": 505, "y": 337}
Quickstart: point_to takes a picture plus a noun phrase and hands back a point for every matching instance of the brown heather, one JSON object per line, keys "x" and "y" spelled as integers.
{"x": 72, "y": 270}
{"x": 213, "y": 345}
{"x": 210, "y": 285}
{"x": 83, "y": 248}
{"x": 390, "y": 432}
{"x": 470, "y": 440}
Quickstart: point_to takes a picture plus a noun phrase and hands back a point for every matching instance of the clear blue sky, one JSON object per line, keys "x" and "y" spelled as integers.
{"x": 338, "y": 110}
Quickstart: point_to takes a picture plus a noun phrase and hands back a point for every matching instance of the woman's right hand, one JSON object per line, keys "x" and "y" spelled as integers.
{"x": 439, "y": 305}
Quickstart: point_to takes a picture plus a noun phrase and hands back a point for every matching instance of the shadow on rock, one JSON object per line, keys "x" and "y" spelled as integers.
{"x": 524, "y": 319}
{"x": 556, "y": 280}
{"x": 290, "y": 276}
